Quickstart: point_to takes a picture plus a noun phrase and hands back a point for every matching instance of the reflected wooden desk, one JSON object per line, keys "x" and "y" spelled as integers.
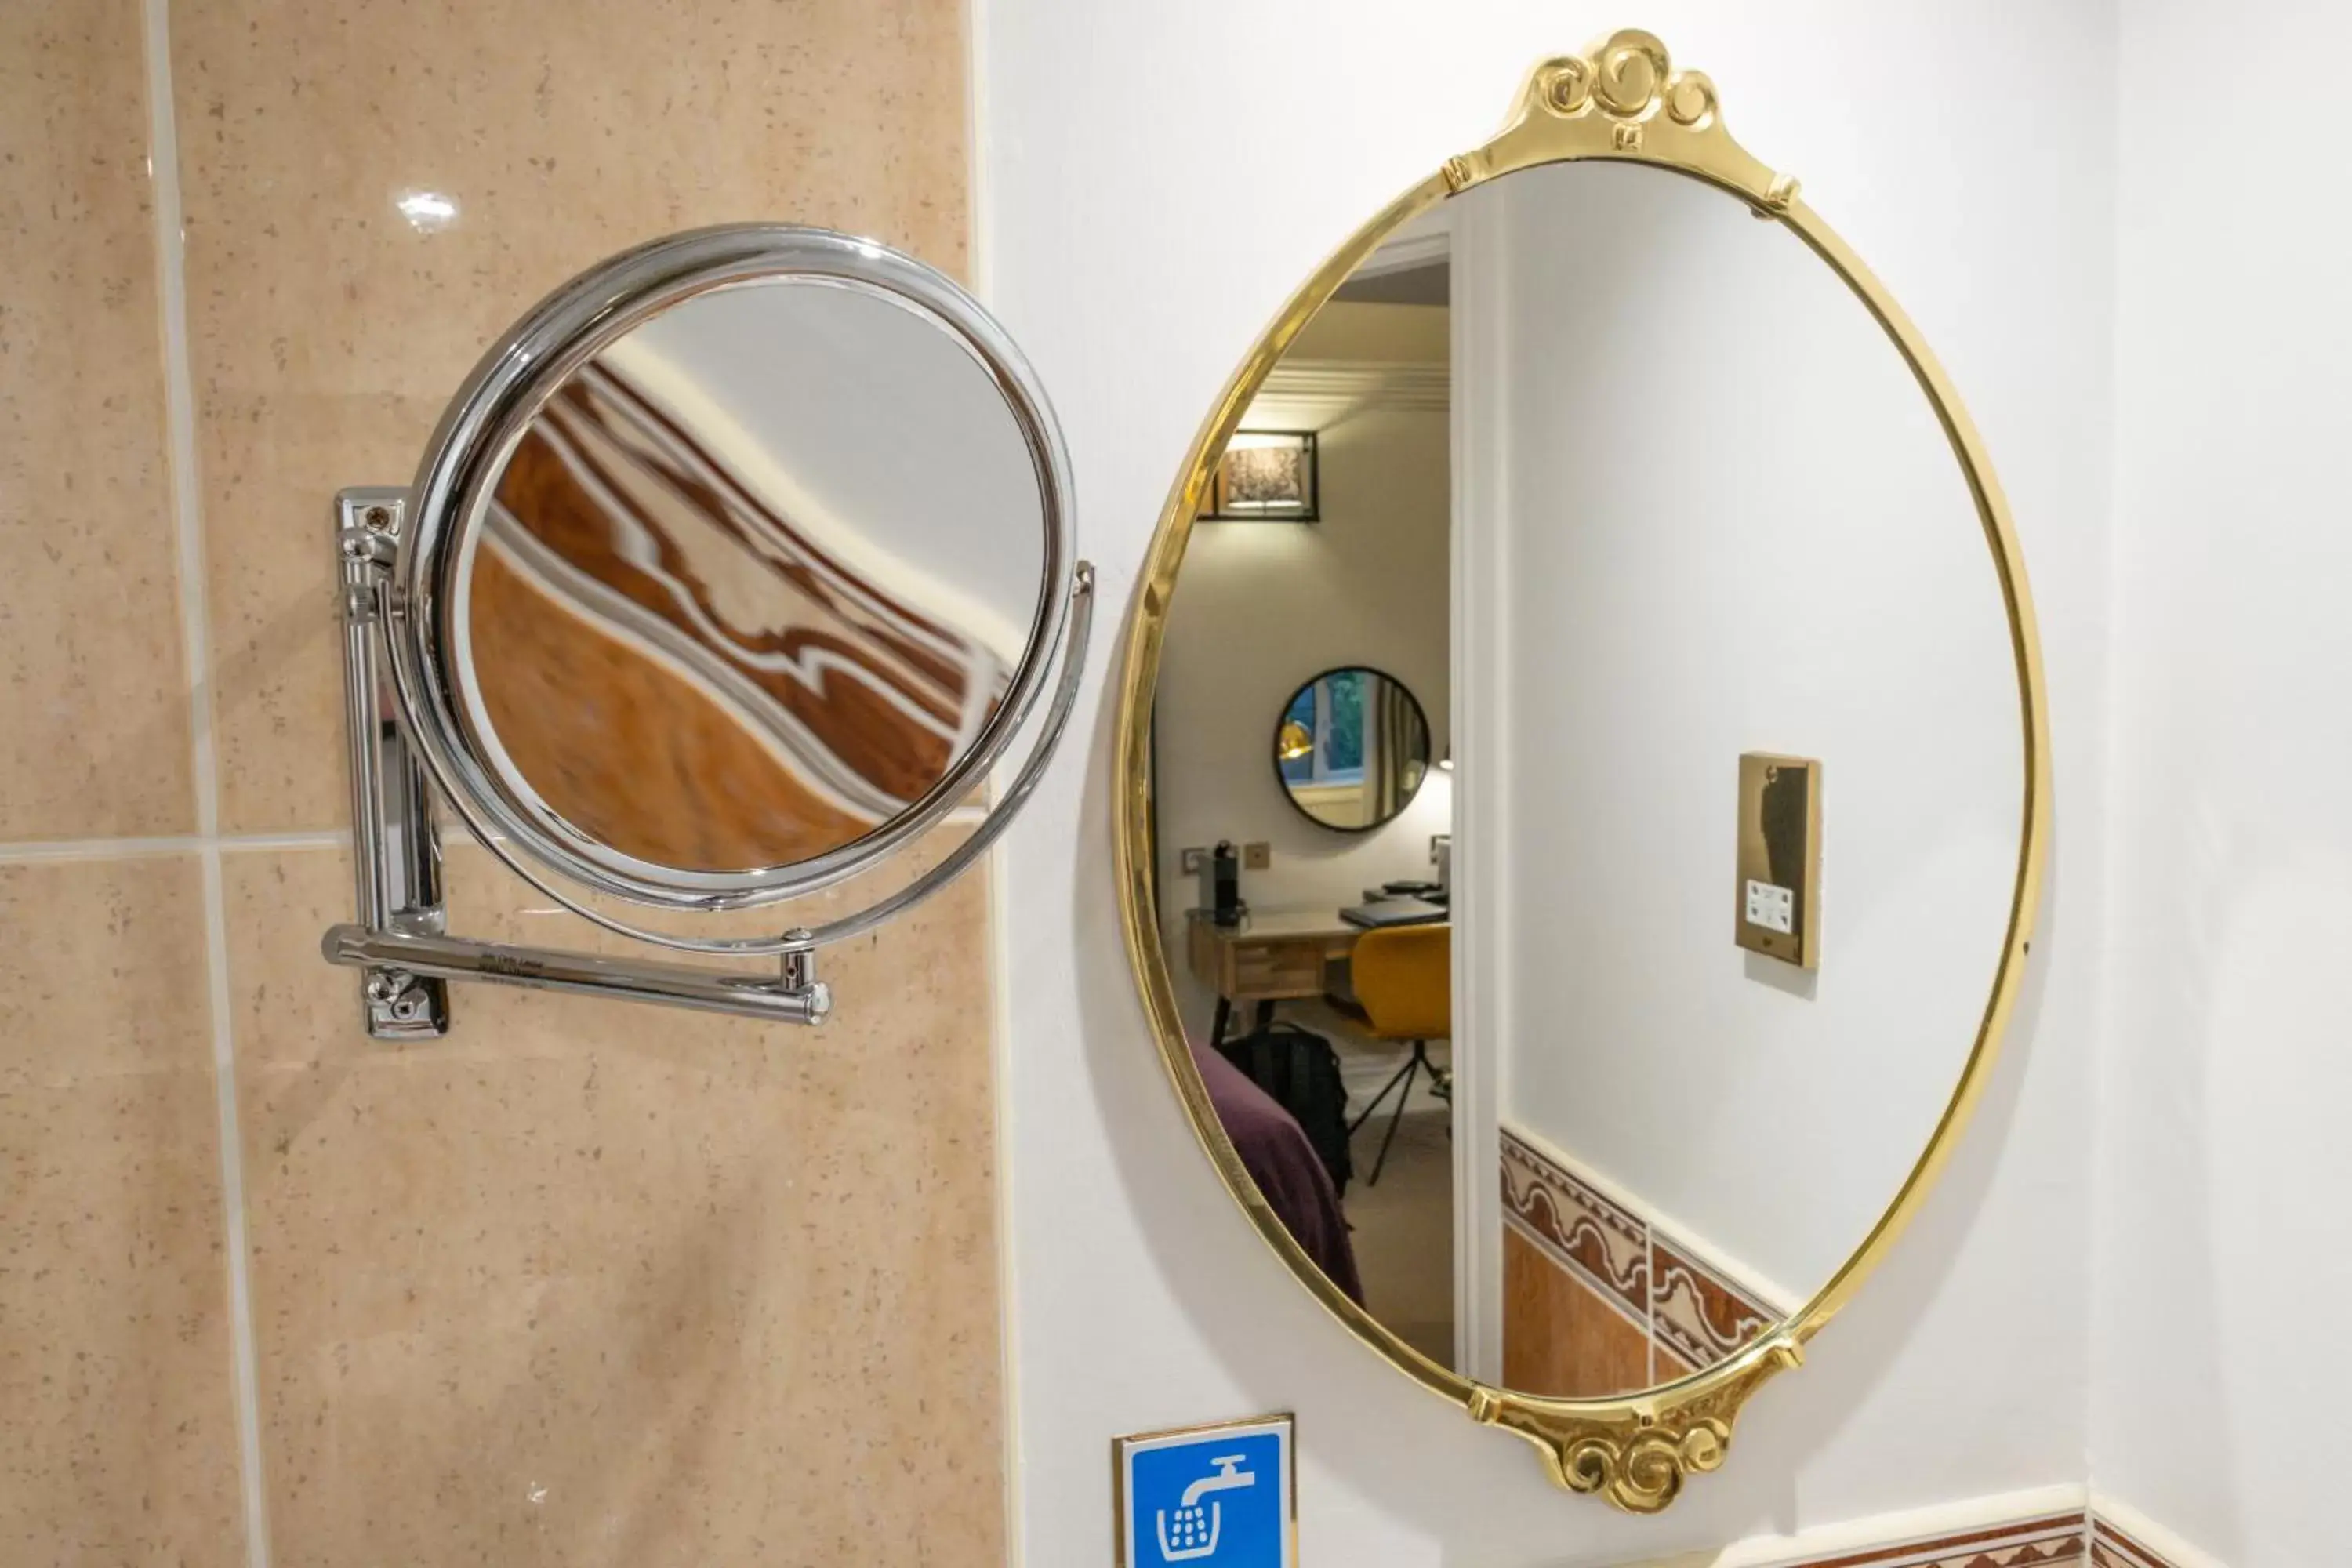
{"x": 1273, "y": 955}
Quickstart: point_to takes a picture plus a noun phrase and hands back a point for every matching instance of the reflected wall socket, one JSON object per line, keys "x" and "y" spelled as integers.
{"x": 1777, "y": 902}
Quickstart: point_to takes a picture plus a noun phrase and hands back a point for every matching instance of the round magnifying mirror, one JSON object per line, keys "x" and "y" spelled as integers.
{"x": 1351, "y": 749}
{"x": 733, "y": 569}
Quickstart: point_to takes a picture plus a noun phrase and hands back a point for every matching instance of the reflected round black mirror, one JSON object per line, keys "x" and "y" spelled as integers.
{"x": 1351, "y": 749}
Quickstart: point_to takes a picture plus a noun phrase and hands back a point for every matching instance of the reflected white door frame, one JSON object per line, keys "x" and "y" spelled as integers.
{"x": 1480, "y": 704}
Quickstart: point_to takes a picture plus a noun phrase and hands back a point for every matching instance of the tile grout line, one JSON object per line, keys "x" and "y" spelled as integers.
{"x": 179, "y": 413}
{"x": 998, "y": 868}
{"x": 40, "y": 851}
{"x": 44, "y": 850}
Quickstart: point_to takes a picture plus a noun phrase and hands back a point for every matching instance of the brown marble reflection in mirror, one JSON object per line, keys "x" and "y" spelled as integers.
{"x": 699, "y": 635}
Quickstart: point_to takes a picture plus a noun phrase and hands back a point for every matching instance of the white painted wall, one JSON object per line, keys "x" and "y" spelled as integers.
{"x": 1156, "y": 181}
{"x": 2224, "y": 1214}
{"x": 1729, "y": 522}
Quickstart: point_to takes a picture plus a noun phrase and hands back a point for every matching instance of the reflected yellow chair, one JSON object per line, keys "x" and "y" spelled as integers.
{"x": 1403, "y": 978}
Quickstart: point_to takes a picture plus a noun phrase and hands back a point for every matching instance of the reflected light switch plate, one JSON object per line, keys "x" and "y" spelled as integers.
{"x": 1774, "y": 909}
{"x": 1777, "y": 910}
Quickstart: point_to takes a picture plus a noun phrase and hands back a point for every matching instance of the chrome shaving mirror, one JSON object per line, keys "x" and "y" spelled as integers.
{"x": 731, "y": 573}
{"x": 1586, "y": 1078}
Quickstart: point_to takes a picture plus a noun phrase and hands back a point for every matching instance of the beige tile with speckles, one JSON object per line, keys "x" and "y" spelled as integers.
{"x": 93, "y": 687}
{"x": 330, "y": 325}
{"x": 118, "y": 1430}
{"x": 595, "y": 1283}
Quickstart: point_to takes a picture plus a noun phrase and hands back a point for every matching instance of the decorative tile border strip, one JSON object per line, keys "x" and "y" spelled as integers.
{"x": 2046, "y": 1527}
{"x": 2073, "y": 1538}
{"x": 2054, "y": 1541}
{"x": 2047, "y": 1532}
{"x": 2111, "y": 1548}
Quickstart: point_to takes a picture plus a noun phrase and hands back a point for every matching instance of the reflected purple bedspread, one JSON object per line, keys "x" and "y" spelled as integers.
{"x": 1275, "y": 1153}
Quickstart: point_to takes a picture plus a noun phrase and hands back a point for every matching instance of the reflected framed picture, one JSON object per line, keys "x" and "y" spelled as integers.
{"x": 1265, "y": 475}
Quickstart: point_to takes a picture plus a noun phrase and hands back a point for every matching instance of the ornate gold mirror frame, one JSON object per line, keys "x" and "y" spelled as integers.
{"x": 1622, "y": 100}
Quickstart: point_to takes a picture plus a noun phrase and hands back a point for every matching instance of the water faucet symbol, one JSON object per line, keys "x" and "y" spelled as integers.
{"x": 1194, "y": 1532}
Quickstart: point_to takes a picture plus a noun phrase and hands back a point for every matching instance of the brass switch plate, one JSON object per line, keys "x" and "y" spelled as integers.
{"x": 1256, "y": 856}
{"x": 1776, "y": 905}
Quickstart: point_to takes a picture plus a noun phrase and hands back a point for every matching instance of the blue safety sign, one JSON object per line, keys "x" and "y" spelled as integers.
{"x": 1217, "y": 1496}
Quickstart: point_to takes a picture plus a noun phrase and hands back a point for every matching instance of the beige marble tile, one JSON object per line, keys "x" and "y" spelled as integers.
{"x": 93, "y": 688}
{"x": 118, "y": 1430}
{"x": 593, "y": 1283}
{"x": 329, "y": 331}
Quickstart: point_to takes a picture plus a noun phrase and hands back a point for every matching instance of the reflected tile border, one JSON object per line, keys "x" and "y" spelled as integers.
{"x": 1599, "y": 1241}
{"x": 1696, "y": 1311}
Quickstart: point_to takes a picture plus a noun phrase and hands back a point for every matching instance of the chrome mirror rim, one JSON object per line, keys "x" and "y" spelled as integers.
{"x": 479, "y": 430}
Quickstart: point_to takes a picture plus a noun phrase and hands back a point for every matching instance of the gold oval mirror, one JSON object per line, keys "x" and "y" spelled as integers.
{"x": 1588, "y": 1086}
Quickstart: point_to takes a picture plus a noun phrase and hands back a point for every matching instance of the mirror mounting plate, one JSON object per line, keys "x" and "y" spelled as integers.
{"x": 401, "y": 941}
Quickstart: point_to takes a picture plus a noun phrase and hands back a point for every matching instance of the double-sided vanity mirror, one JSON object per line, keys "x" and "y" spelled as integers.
{"x": 730, "y": 574}
{"x": 1656, "y": 1007}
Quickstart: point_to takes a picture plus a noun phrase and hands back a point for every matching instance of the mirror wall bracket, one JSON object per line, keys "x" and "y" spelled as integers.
{"x": 396, "y": 848}
{"x": 401, "y": 940}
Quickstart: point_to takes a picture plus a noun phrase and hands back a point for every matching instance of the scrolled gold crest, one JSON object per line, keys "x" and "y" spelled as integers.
{"x": 1623, "y": 97}
{"x": 1629, "y": 77}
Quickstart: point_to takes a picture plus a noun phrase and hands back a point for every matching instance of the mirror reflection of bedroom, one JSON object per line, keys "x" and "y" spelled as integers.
{"x": 1303, "y": 793}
